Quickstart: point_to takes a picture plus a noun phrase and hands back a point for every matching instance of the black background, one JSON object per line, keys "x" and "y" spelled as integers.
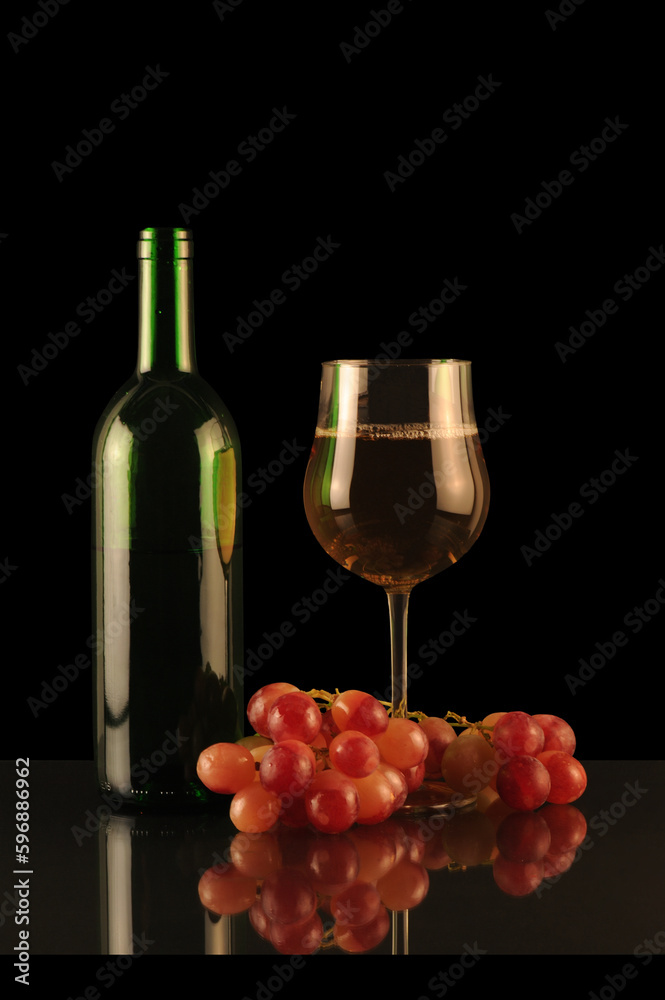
{"x": 525, "y": 284}
{"x": 226, "y": 70}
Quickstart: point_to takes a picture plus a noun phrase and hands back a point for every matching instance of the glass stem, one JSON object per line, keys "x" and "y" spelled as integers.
{"x": 398, "y": 606}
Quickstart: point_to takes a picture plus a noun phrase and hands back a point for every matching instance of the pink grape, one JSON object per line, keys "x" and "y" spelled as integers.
{"x": 294, "y": 716}
{"x": 468, "y": 763}
{"x": 260, "y": 702}
{"x": 558, "y": 734}
{"x": 567, "y": 776}
{"x": 254, "y": 809}
{"x": 332, "y": 801}
{"x": 567, "y": 825}
{"x": 361, "y": 711}
{"x": 523, "y": 783}
{"x": 287, "y": 767}
{"x": 404, "y": 743}
{"x": 516, "y": 734}
{"x": 225, "y": 768}
{"x": 354, "y": 754}
{"x": 376, "y": 799}
{"x": 397, "y": 781}
{"x": 440, "y": 734}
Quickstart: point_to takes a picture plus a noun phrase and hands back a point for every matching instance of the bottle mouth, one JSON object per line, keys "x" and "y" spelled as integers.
{"x": 165, "y": 242}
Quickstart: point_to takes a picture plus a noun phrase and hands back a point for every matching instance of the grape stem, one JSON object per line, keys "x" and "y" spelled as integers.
{"x": 459, "y": 721}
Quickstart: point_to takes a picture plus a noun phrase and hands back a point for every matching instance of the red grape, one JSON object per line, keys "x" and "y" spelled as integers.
{"x": 287, "y": 768}
{"x": 260, "y": 702}
{"x": 523, "y": 783}
{"x": 332, "y": 802}
{"x": 558, "y": 734}
{"x": 516, "y": 734}
{"x": 567, "y": 776}
{"x": 354, "y": 754}
{"x": 225, "y": 768}
{"x": 358, "y": 710}
{"x": 294, "y": 716}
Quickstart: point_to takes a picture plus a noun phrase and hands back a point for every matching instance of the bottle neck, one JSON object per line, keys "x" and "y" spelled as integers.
{"x": 166, "y": 303}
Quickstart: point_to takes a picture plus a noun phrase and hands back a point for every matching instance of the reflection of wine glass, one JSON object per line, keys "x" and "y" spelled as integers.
{"x": 396, "y": 487}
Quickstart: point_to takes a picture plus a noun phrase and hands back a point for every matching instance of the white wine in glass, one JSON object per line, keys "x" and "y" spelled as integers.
{"x": 396, "y": 488}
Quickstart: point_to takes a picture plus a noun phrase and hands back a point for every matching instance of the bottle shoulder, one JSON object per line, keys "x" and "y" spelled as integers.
{"x": 183, "y": 404}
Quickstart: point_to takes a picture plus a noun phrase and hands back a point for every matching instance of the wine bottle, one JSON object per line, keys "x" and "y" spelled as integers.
{"x": 167, "y": 554}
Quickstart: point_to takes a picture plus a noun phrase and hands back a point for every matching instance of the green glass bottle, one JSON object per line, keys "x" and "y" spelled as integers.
{"x": 167, "y": 553}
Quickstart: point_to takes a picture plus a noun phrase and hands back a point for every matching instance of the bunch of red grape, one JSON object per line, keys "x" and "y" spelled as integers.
{"x": 347, "y": 761}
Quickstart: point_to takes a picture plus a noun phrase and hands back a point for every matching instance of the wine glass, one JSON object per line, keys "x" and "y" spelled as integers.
{"x": 396, "y": 488}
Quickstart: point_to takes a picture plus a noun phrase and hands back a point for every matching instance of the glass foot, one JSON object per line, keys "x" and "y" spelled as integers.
{"x": 436, "y": 796}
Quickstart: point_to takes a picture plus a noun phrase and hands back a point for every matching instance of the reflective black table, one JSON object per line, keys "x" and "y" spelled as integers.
{"x": 100, "y": 883}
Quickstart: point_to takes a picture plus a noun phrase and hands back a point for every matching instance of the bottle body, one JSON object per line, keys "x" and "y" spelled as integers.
{"x": 168, "y": 585}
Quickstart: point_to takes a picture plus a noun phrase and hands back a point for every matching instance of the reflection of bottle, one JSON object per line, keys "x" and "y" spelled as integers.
{"x": 167, "y": 552}
{"x": 149, "y": 868}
